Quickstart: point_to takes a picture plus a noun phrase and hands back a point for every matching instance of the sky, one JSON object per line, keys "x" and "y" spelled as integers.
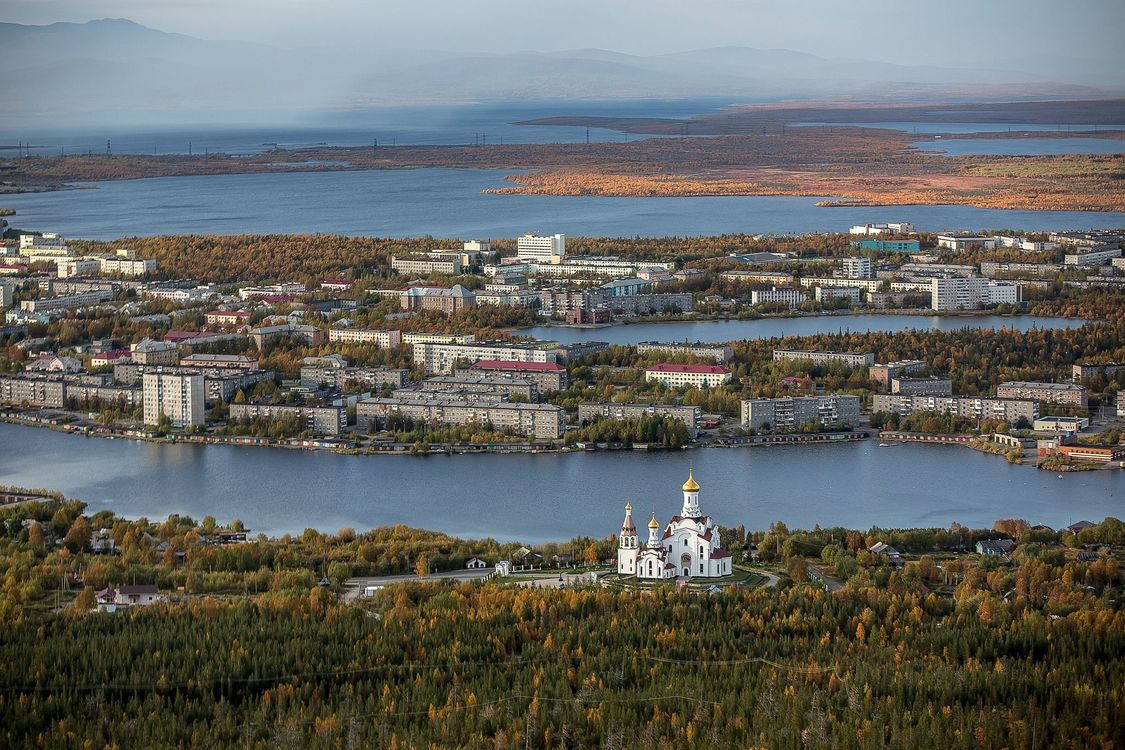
{"x": 1041, "y": 35}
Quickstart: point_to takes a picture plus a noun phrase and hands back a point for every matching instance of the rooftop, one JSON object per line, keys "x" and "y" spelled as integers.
{"x": 500, "y": 364}
{"x": 699, "y": 369}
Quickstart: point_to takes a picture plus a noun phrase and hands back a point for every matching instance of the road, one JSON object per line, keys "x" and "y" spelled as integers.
{"x": 353, "y": 587}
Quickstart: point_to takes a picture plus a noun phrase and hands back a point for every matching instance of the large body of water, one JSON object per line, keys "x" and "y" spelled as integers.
{"x": 449, "y": 203}
{"x": 553, "y": 496}
{"x": 1023, "y": 146}
{"x": 488, "y": 122}
{"x": 734, "y": 330}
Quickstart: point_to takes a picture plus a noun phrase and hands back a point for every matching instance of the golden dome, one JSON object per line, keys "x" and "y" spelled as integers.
{"x": 629, "y": 507}
{"x": 691, "y": 485}
{"x": 653, "y": 523}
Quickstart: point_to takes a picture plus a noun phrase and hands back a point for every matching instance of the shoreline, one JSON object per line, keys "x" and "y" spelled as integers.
{"x": 344, "y": 447}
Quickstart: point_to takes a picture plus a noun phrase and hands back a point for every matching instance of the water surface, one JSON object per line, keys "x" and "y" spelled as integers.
{"x": 445, "y": 202}
{"x": 553, "y": 496}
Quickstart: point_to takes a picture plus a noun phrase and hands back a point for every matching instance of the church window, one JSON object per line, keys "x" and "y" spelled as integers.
{"x": 685, "y": 542}
{"x": 700, "y": 567}
{"x": 701, "y": 549}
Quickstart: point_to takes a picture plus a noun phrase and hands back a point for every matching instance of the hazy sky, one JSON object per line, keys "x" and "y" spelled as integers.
{"x": 951, "y": 32}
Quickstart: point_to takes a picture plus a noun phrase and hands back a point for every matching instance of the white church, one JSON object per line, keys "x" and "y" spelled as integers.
{"x": 688, "y": 547}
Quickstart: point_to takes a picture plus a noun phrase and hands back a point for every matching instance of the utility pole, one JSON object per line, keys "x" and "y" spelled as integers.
{"x": 108, "y": 150}
{"x": 189, "y": 148}
{"x": 374, "y": 146}
{"x": 587, "y": 136}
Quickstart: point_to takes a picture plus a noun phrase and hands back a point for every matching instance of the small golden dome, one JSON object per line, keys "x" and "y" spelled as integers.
{"x": 691, "y": 485}
{"x": 653, "y": 524}
{"x": 629, "y": 507}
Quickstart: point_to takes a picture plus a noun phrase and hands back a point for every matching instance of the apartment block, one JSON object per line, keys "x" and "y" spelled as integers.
{"x": 421, "y": 265}
{"x": 340, "y": 377}
{"x": 67, "y": 302}
{"x": 220, "y": 361}
{"x": 689, "y": 415}
{"x": 441, "y": 358}
{"x": 438, "y": 338}
{"x": 382, "y": 339}
{"x": 539, "y": 421}
{"x": 718, "y": 352}
{"x": 323, "y": 420}
{"x": 510, "y": 387}
{"x": 1086, "y": 370}
{"x": 954, "y": 293}
{"x": 848, "y": 359}
{"x": 790, "y": 297}
{"x": 852, "y": 294}
{"x": 858, "y": 267}
{"x": 547, "y": 376}
{"x": 1051, "y": 393}
{"x": 932, "y": 386}
{"x": 1006, "y": 409}
{"x": 690, "y": 376}
{"x": 309, "y": 335}
{"x": 1094, "y": 257}
{"x": 41, "y": 391}
{"x": 179, "y": 396}
{"x": 778, "y": 278}
{"x": 149, "y": 352}
{"x": 537, "y": 249}
{"x": 790, "y": 414}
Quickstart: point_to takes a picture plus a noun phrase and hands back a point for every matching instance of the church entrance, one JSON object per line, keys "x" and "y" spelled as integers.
{"x": 686, "y": 574}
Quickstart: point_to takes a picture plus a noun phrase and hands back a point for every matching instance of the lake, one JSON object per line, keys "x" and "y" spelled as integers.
{"x": 763, "y": 328}
{"x": 494, "y": 122}
{"x": 446, "y": 202}
{"x": 536, "y": 498}
{"x": 1023, "y": 146}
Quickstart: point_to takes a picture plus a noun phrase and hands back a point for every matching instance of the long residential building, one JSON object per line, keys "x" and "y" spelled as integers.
{"x": 42, "y": 391}
{"x": 441, "y": 358}
{"x": 1051, "y": 393}
{"x": 179, "y": 396}
{"x": 382, "y": 339}
{"x": 1094, "y": 257}
{"x": 718, "y": 352}
{"x": 540, "y": 421}
{"x": 790, "y": 414}
{"x": 412, "y": 265}
{"x": 547, "y": 376}
{"x": 67, "y": 302}
{"x": 220, "y": 361}
{"x": 510, "y": 387}
{"x": 1085, "y": 370}
{"x": 992, "y": 268}
{"x": 849, "y": 359}
{"x": 957, "y": 293}
{"x": 788, "y": 297}
{"x": 692, "y": 376}
{"x": 689, "y": 415}
{"x": 932, "y": 386}
{"x": 438, "y": 338}
{"x": 323, "y": 420}
{"x": 340, "y": 377}
{"x": 1006, "y": 409}
{"x": 868, "y": 285}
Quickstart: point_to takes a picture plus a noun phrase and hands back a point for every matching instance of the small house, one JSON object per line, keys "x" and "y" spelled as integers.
{"x": 503, "y": 568}
{"x": 995, "y": 547}
{"x": 475, "y": 563}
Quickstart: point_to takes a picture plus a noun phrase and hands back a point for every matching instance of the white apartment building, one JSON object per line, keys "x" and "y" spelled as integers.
{"x": 828, "y": 293}
{"x": 66, "y": 302}
{"x": 48, "y": 243}
{"x": 694, "y": 376}
{"x": 382, "y": 339}
{"x": 441, "y": 358}
{"x": 1096, "y": 257}
{"x": 438, "y": 338}
{"x": 790, "y": 297}
{"x": 538, "y": 249}
{"x": 789, "y": 414}
{"x": 903, "y": 227}
{"x": 125, "y": 265}
{"x": 857, "y": 268}
{"x": 179, "y": 396}
{"x": 70, "y": 267}
{"x": 959, "y": 242}
{"x": 1031, "y": 246}
{"x": 957, "y": 293}
{"x": 849, "y": 359}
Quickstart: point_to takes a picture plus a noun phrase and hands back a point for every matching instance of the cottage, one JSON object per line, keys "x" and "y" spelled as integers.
{"x": 995, "y": 547}
{"x": 139, "y": 595}
{"x": 882, "y": 549}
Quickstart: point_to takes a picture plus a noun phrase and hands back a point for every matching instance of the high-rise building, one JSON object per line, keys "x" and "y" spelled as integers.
{"x": 179, "y": 396}
{"x": 541, "y": 249}
{"x": 857, "y": 268}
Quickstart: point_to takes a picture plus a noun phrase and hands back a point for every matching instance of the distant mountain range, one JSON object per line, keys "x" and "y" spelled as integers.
{"x": 114, "y": 70}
